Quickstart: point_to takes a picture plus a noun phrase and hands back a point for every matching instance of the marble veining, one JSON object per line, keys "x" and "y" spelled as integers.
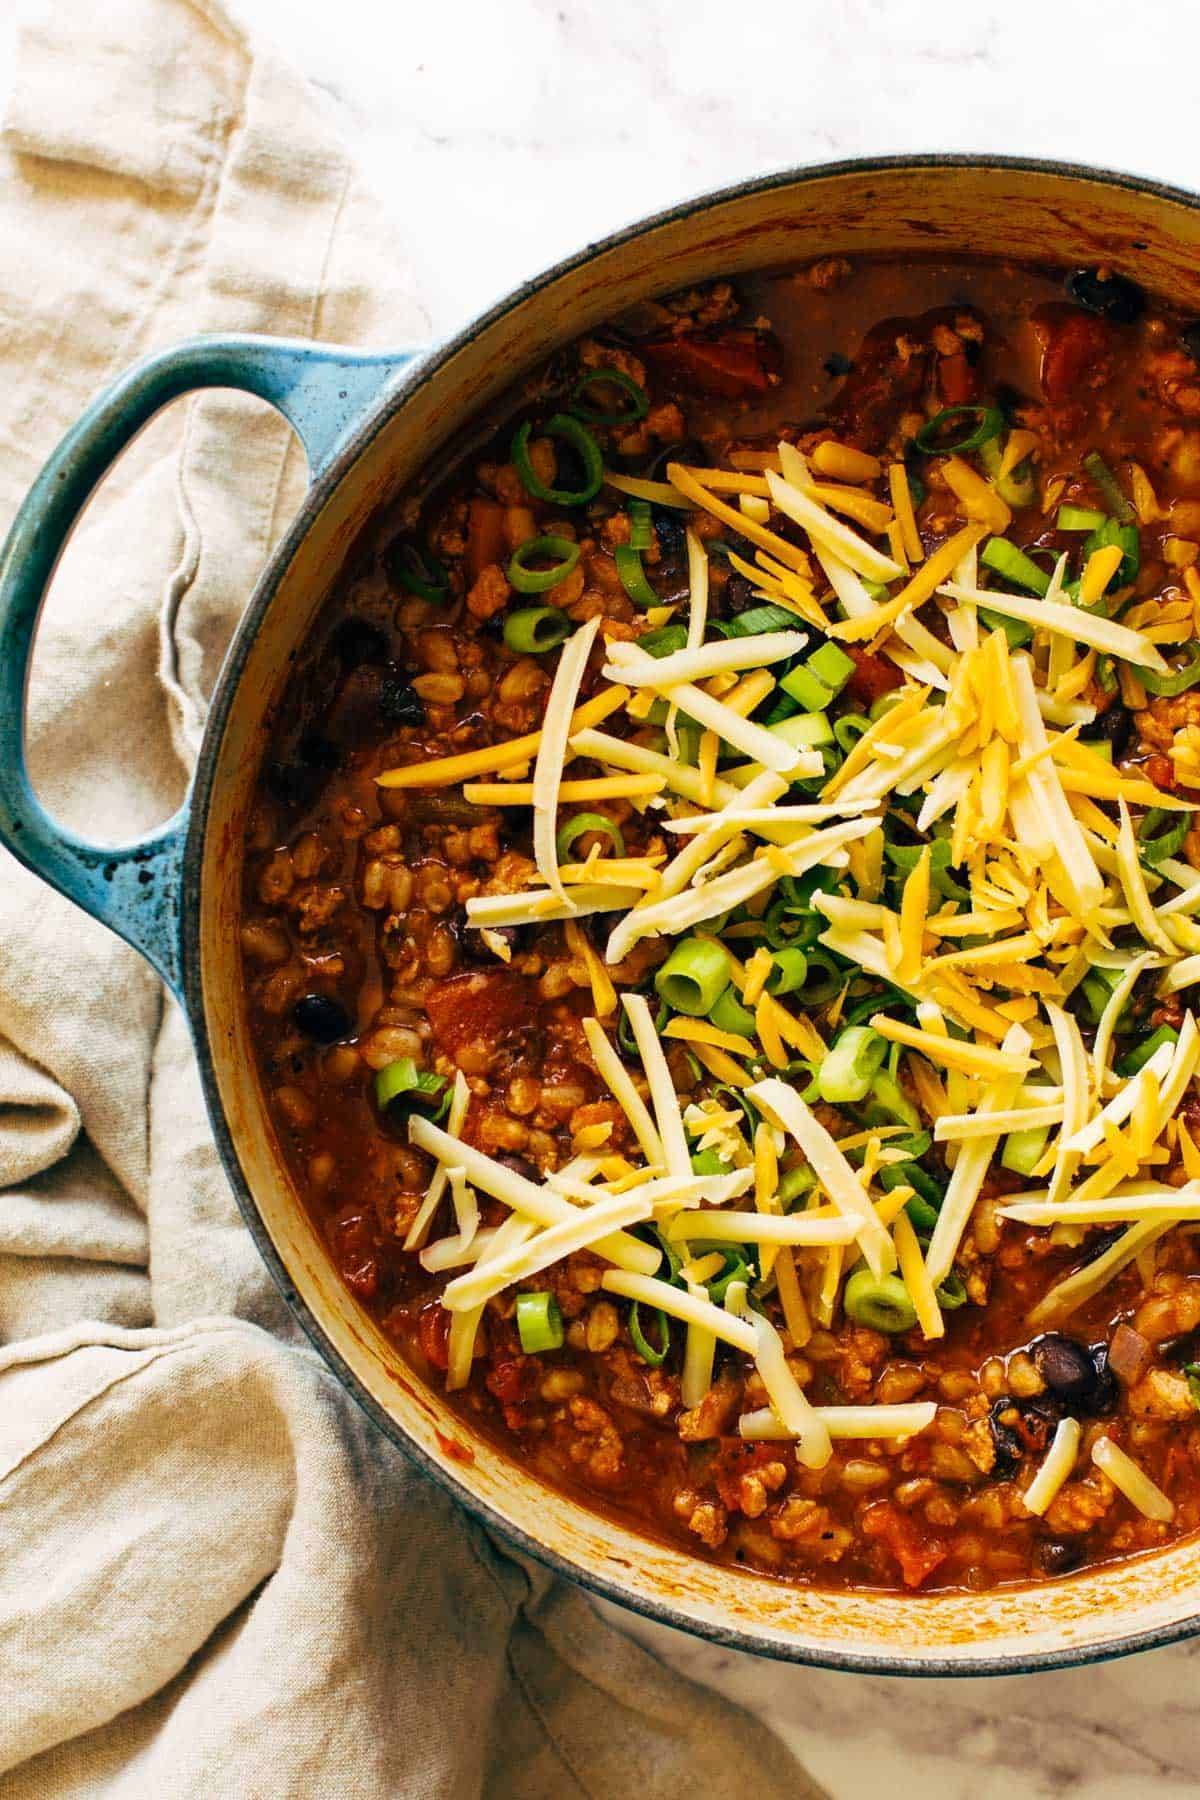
{"x": 504, "y": 136}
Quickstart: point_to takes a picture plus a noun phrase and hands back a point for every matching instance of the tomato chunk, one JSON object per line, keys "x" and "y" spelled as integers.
{"x": 1076, "y": 351}
{"x": 872, "y": 675}
{"x": 433, "y": 1334}
{"x": 731, "y": 365}
{"x": 917, "y": 1555}
{"x": 484, "y": 1007}
{"x": 958, "y": 382}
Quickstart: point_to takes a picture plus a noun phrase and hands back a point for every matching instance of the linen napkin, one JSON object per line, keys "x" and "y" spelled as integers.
{"x": 216, "y": 1578}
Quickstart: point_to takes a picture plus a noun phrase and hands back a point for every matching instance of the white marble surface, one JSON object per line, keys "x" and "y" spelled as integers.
{"x": 504, "y": 134}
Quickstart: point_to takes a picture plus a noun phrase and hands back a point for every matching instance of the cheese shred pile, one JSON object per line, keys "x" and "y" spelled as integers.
{"x": 928, "y": 923}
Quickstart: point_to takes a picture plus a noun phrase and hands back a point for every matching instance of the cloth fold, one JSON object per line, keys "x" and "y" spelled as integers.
{"x": 216, "y": 1577}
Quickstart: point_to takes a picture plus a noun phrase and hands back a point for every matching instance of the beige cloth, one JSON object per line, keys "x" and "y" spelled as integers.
{"x": 216, "y": 1579}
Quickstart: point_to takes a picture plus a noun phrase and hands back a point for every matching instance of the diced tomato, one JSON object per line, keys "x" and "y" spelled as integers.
{"x": 872, "y": 675}
{"x": 485, "y": 536}
{"x": 484, "y": 1007}
{"x": 353, "y": 1242}
{"x": 512, "y": 1380}
{"x": 917, "y": 1554}
{"x": 1076, "y": 347}
{"x": 958, "y": 382}
{"x": 731, "y": 365}
{"x": 1161, "y": 771}
{"x": 433, "y": 1334}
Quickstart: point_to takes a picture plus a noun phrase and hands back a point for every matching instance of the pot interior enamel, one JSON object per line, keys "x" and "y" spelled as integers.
{"x": 1038, "y": 214}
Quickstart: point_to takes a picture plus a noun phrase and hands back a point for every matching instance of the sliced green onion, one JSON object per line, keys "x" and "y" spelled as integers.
{"x": 633, "y": 576}
{"x": 401, "y": 1088}
{"x": 728, "y": 1014}
{"x": 1178, "y": 681}
{"x": 539, "y": 1323}
{"x": 848, "y": 1070}
{"x": 1017, "y": 488}
{"x": 880, "y": 707}
{"x": 849, "y": 728}
{"x": 1106, "y": 675}
{"x": 890, "y": 1105}
{"x": 794, "y": 1183}
{"x": 694, "y": 975}
{"x": 1016, "y": 632}
{"x": 644, "y": 1348}
{"x": 807, "y": 731}
{"x": 951, "y": 1293}
{"x": 1140, "y": 1055}
{"x": 823, "y": 979}
{"x": 736, "y": 1269}
{"x": 1154, "y": 849}
{"x": 414, "y": 568}
{"x": 990, "y": 423}
{"x": 1080, "y": 518}
{"x": 882, "y": 1303}
{"x": 789, "y": 972}
{"x": 806, "y": 689}
{"x": 639, "y": 400}
{"x": 1102, "y": 478}
{"x": 571, "y": 432}
{"x": 665, "y": 641}
{"x": 831, "y": 665}
{"x": 539, "y": 581}
{"x": 580, "y": 826}
{"x": 1023, "y": 1150}
{"x": 755, "y": 619}
{"x": 1096, "y": 988}
{"x": 532, "y": 630}
{"x": 707, "y": 1162}
{"x": 1128, "y": 542}
{"x": 907, "y": 856}
{"x": 1191, "y": 1374}
{"x": 879, "y": 590}
{"x": 1005, "y": 559}
{"x": 641, "y": 526}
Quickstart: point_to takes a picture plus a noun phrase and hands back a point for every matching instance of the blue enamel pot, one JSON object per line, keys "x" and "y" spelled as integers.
{"x": 369, "y": 424}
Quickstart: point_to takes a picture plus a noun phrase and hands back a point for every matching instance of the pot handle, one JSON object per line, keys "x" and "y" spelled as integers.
{"x": 322, "y": 391}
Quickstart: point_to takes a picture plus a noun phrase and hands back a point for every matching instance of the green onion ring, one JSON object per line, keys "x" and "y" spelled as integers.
{"x": 579, "y": 827}
{"x": 539, "y": 1323}
{"x": 633, "y": 576}
{"x": 539, "y": 581}
{"x": 418, "y": 571}
{"x": 693, "y": 976}
{"x": 789, "y": 971}
{"x": 991, "y": 424}
{"x": 951, "y": 1293}
{"x": 849, "y": 728}
{"x": 882, "y": 1303}
{"x": 1177, "y": 681}
{"x": 563, "y": 426}
{"x": 639, "y": 400}
{"x": 1153, "y": 849}
{"x": 645, "y": 1350}
{"x": 532, "y": 630}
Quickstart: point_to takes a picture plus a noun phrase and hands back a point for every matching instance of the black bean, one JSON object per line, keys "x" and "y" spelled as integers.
{"x": 356, "y": 641}
{"x": 1189, "y": 337}
{"x": 399, "y": 702}
{"x": 520, "y": 1165}
{"x": 1065, "y": 1366}
{"x": 837, "y": 365}
{"x": 1114, "y": 296}
{"x": 1105, "y": 1395}
{"x": 1009, "y": 1447}
{"x": 739, "y": 593}
{"x": 1056, "y": 1557}
{"x": 322, "y": 1018}
{"x": 1113, "y": 726}
{"x": 671, "y": 533}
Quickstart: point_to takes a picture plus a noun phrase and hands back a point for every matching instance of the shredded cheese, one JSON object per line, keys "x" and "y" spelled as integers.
{"x": 765, "y": 1426}
{"x": 447, "y": 771}
{"x": 784, "y": 1107}
{"x": 1056, "y": 1467}
{"x": 1132, "y": 1481}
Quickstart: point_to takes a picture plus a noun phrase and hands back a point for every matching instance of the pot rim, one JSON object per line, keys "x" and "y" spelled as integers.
{"x": 421, "y": 371}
